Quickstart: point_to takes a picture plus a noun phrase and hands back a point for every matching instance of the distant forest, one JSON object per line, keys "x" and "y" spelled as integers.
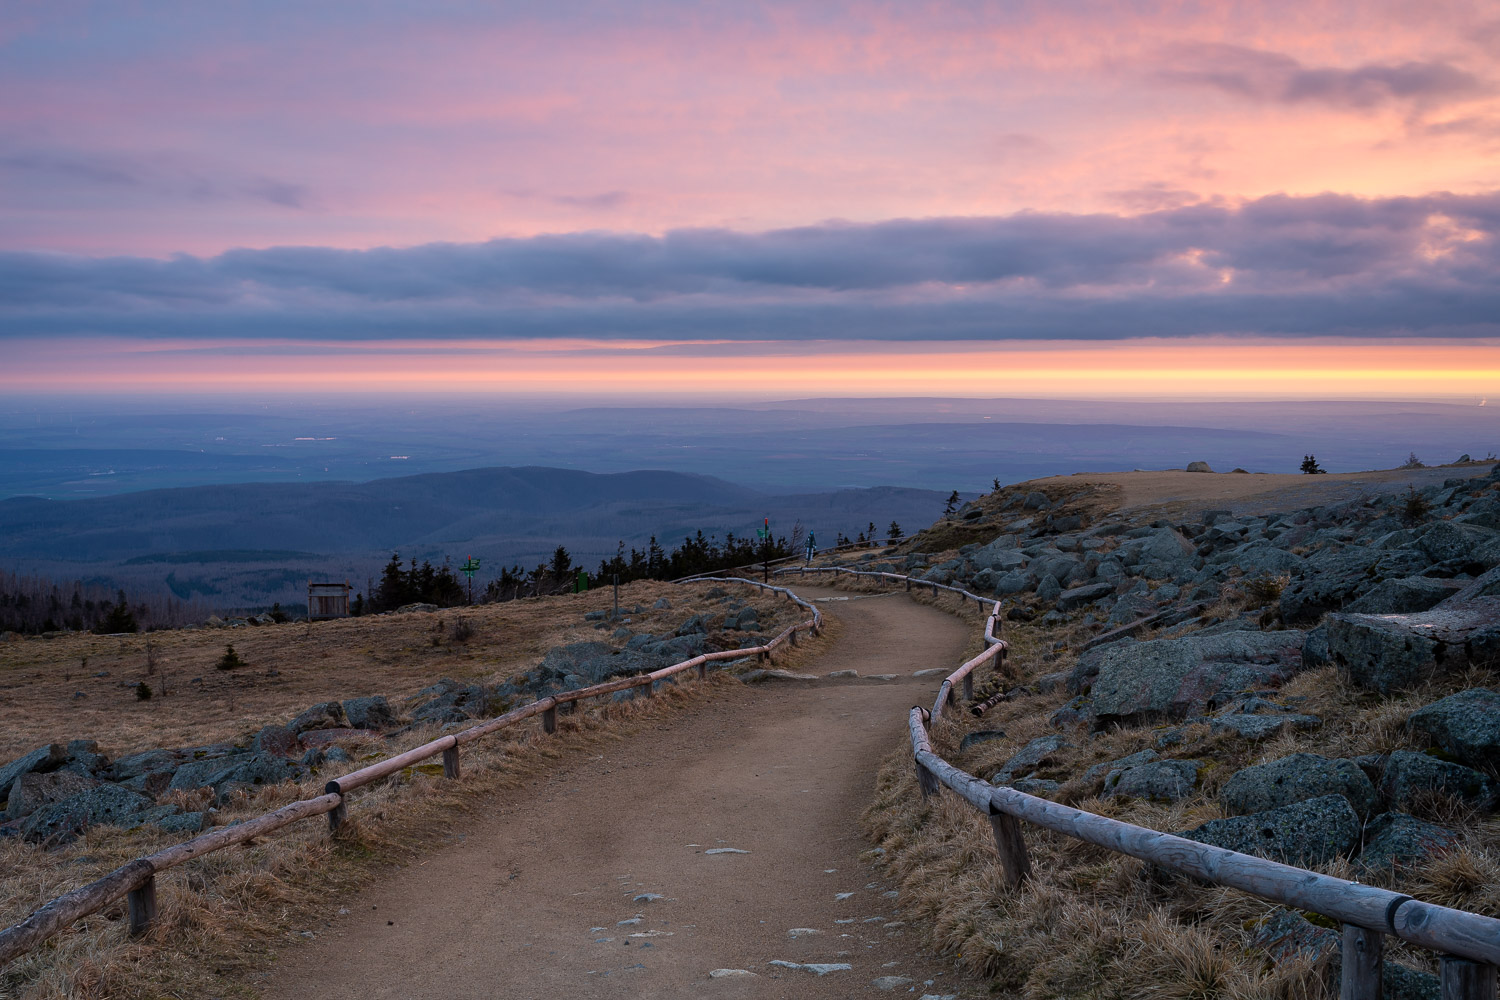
{"x": 440, "y": 585}
{"x": 32, "y": 605}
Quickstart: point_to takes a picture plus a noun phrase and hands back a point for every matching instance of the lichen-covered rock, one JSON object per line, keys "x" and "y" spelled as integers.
{"x": 1103, "y": 770}
{"x": 279, "y": 740}
{"x": 1030, "y": 757}
{"x": 105, "y": 804}
{"x": 1260, "y": 727}
{"x": 1390, "y": 652}
{"x": 319, "y": 716}
{"x": 1303, "y": 833}
{"x": 1465, "y": 725}
{"x": 1077, "y": 597}
{"x": 1285, "y": 935}
{"x": 1174, "y": 678}
{"x": 979, "y": 736}
{"x": 240, "y": 769}
{"x": 1380, "y": 652}
{"x": 1395, "y": 839}
{"x": 373, "y": 712}
{"x": 1157, "y": 781}
{"x": 1296, "y": 778}
{"x": 43, "y": 758}
{"x": 1411, "y": 777}
{"x": 1404, "y": 596}
{"x": 30, "y": 791}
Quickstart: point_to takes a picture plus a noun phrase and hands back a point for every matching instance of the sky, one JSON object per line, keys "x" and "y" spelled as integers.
{"x": 1103, "y": 199}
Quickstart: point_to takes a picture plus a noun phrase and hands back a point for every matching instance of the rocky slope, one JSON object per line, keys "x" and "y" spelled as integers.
{"x": 1317, "y": 687}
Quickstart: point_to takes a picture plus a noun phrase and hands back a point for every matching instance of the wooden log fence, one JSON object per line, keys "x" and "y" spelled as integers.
{"x": 1468, "y": 943}
{"x": 136, "y": 880}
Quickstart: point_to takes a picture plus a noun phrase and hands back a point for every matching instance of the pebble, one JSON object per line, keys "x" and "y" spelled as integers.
{"x": 725, "y": 850}
{"x": 889, "y": 983}
{"x": 797, "y": 932}
{"x": 842, "y": 673}
{"x": 841, "y": 896}
{"x": 880, "y": 677}
{"x": 931, "y": 672}
{"x": 626, "y": 923}
{"x": 648, "y": 897}
{"x": 729, "y": 973}
{"x": 817, "y": 968}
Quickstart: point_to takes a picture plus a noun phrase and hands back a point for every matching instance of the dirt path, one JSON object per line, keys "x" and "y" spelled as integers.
{"x": 544, "y": 894}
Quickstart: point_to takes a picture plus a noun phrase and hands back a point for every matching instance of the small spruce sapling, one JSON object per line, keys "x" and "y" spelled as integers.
{"x": 230, "y": 660}
{"x": 1310, "y": 466}
{"x": 951, "y": 505}
{"x": 1414, "y": 508}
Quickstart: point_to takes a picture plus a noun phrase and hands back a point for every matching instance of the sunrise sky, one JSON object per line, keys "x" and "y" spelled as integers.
{"x": 656, "y": 198}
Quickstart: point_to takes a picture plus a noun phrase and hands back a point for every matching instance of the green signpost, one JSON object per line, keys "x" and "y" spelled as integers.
{"x": 468, "y": 569}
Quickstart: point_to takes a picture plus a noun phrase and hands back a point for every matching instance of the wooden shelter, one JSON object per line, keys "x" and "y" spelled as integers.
{"x": 327, "y": 600}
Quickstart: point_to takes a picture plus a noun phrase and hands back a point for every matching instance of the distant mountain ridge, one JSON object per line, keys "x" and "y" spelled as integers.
{"x": 238, "y": 540}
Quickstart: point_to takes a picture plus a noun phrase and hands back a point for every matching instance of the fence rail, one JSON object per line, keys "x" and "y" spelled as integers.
{"x": 1468, "y": 943}
{"x": 136, "y": 880}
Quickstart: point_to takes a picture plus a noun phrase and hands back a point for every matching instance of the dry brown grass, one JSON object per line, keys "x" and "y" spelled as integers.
{"x": 1095, "y": 924}
{"x": 292, "y": 666}
{"x": 222, "y": 914}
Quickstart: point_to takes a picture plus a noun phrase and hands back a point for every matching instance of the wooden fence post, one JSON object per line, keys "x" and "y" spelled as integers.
{"x": 549, "y": 720}
{"x": 926, "y": 780}
{"x": 793, "y": 635}
{"x": 450, "y": 762}
{"x": 1010, "y": 844}
{"x": 340, "y": 812}
{"x": 703, "y": 671}
{"x": 648, "y": 689}
{"x": 1466, "y": 980}
{"x": 969, "y": 686}
{"x": 140, "y": 903}
{"x": 1363, "y": 954}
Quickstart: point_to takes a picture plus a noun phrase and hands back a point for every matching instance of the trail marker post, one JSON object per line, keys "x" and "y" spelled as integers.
{"x": 468, "y": 569}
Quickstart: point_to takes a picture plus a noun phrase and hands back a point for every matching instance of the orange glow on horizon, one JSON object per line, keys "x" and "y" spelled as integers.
{"x": 1199, "y": 368}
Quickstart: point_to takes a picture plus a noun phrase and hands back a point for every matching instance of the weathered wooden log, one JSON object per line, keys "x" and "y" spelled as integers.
{"x": 1363, "y": 955}
{"x": 1347, "y": 902}
{"x": 1010, "y": 844}
{"x": 1463, "y": 979}
{"x": 1456, "y": 932}
{"x": 944, "y": 698}
{"x": 380, "y": 769}
{"x": 57, "y": 914}
{"x": 987, "y": 704}
{"x": 228, "y": 836}
{"x": 140, "y": 905}
{"x": 450, "y": 762}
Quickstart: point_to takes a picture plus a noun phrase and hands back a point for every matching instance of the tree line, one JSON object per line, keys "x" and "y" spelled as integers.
{"x": 32, "y": 605}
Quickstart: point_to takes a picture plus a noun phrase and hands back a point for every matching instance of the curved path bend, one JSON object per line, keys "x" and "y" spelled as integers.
{"x": 528, "y": 900}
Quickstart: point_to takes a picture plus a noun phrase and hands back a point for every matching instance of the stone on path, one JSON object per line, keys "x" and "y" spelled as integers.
{"x": 889, "y": 983}
{"x": 729, "y": 973}
{"x": 817, "y": 968}
{"x": 725, "y": 850}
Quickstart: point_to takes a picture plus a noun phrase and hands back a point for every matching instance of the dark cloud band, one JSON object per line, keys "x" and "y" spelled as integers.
{"x": 1284, "y": 265}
